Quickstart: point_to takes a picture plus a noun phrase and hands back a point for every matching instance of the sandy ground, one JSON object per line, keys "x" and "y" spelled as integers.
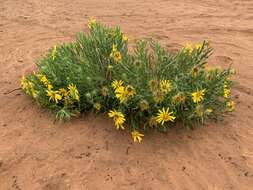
{"x": 87, "y": 153}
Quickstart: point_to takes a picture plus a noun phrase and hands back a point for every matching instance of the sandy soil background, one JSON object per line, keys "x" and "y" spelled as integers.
{"x": 87, "y": 153}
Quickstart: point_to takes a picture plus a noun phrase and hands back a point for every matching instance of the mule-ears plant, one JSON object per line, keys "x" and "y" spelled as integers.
{"x": 149, "y": 88}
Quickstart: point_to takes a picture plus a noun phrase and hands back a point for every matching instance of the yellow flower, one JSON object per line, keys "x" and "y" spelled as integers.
{"x": 231, "y": 105}
{"x": 118, "y": 118}
{"x": 194, "y": 71}
{"x": 114, "y": 47}
{"x": 97, "y": 106}
{"x": 91, "y": 22}
{"x": 198, "y": 96}
{"x": 34, "y": 93}
{"x": 153, "y": 84}
{"x": 226, "y": 91}
{"x": 144, "y": 105}
{"x": 188, "y": 48}
{"x": 179, "y": 98}
{"x": 117, "y": 83}
{"x": 121, "y": 94}
{"x": 49, "y": 87}
{"x": 28, "y": 86}
{"x": 43, "y": 79}
{"x": 24, "y": 83}
{"x": 232, "y": 71}
{"x": 54, "y": 95}
{"x": 137, "y": 137}
{"x": 74, "y": 92}
{"x": 124, "y": 38}
{"x": 199, "y": 46}
{"x": 54, "y": 52}
{"x": 117, "y": 56}
{"x": 63, "y": 92}
{"x": 164, "y": 116}
{"x": 209, "y": 110}
{"x": 165, "y": 86}
{"x": 130, "y": 91}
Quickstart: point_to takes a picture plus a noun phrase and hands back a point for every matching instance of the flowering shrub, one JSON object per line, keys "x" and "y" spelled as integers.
{"x": 149, "y": 88}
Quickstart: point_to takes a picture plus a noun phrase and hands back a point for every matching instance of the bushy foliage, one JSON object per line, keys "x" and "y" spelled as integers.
{"x": 149, "y": 88}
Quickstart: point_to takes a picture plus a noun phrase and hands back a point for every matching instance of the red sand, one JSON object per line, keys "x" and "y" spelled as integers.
{"x": 36, "y": 153}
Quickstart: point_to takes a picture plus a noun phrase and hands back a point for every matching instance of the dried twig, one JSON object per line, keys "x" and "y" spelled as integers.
{"x": 12, "y": 91}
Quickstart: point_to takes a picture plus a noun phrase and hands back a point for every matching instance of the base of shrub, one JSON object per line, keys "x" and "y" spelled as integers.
{"x": 150, "y": 88}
